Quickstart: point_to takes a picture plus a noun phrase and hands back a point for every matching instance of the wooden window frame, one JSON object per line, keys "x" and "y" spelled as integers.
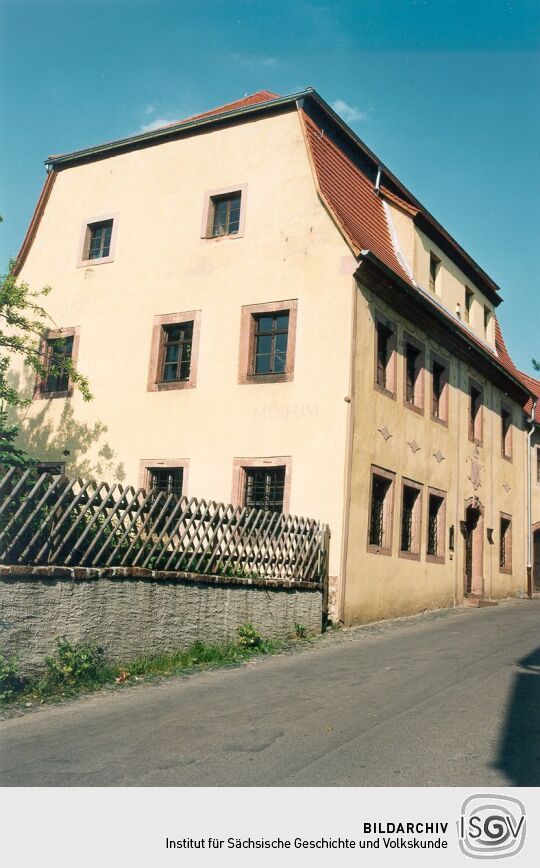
{"x": 50, "y": 335}
{"x": 440, "y": 557}
{"x": 444, "y": 401}
{"x": 507, "y": 568}
{"x": 416, "y": 406}
{"x": 240, "y": 465}
{"x": 156, "y": 351}
{"x": 473, "y": 432}
{"x": 417, "y": 519}
{"x": 388, "y": 517}
{"x": 507, "y": 437}
{"x": 391, "y": 366}
{"x": 247, "y": 341}
{"x": 82, "y": 260}
{"x": 208, "y": 211}
{"x": 50, "y": 466}
{"x": 146, "y": 465}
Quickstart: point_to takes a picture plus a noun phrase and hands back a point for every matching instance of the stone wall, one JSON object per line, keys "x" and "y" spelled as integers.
{"x": 131, "y": 612}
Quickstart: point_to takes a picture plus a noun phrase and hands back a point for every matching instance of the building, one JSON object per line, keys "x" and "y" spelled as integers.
{"x": 266, "y": 315}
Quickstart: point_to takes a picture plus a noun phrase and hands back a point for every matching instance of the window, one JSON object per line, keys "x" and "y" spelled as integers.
{"x": 436, "y": 526}
{"x": 439, "y": 390}
{"x": 98, "y": 240}
{"x": 381, "y": 511}
{"x": 58, "y": 351}
{"x": 385, "y": 357}
{"x": 505, "y": 544}
{"x": 167, "y": 479}
{"x": 411, "y": 506}
{"x": 164, "y": 475}
{"x": 475, "y": 413}
{"x": 538, "y": 464}
{"x": 267, "y": 342}
{"x": 177, "y": 343}
{"x": 506, "y": 432}
{"x": 487, "y": 319}
{"x": 224, "y": 212}
{"x": 55, "y": 468}
{"x": 271, "y": 333}
{"x": 262, "y": 483}
{"x": 174, "y": 351}
{"x": 264, "y": 488}
{"x": 469, "y": 296}
{"x": 434, "y": 264}
{"x": 414, "y": 375}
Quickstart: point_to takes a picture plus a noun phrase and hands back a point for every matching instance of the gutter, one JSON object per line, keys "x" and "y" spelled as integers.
{"x": 171, "y": 130}
{"x": 530, "y": 433}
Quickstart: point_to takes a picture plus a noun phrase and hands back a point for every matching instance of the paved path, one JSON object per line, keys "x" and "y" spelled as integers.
{"x": 448, "y": 699}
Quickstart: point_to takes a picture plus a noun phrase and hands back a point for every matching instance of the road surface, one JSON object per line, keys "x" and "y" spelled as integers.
{"x": 447, "y": 699}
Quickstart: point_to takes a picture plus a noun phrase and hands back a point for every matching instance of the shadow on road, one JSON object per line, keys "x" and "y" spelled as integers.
{"x": 519, "y": 748}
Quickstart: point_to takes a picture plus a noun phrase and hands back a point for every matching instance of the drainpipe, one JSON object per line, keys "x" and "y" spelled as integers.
{"x": 530, "y": 433}
{"x": 378, "y": 180}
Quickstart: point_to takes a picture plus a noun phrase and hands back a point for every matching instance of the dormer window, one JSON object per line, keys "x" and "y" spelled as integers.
{"x": 434, "y": 264}
{"x": 487, "y": 319}
{"x": 469, "y": 296}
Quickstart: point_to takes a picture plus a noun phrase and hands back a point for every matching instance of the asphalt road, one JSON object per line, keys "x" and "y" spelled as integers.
{"x": 450, "y": 699}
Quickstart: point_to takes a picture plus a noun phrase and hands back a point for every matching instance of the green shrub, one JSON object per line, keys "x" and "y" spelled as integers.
{"x": 300, "y": 631}
{"x": 10, "y": 683}
{"x": 75, "y": 664}
{"x": 249, "y": 638}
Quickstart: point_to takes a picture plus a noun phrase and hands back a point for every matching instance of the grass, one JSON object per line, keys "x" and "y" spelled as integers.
{"x": 80, "y": 668}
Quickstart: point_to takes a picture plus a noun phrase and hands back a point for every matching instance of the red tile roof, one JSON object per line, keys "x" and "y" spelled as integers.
{"x": 533, "y": 386}
{"x": 350, "y": 197}
{"x": 250, "y": 99}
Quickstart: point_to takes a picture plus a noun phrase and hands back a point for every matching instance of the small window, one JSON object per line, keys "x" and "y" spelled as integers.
{"x": 174, "y": 351}
{"x": 385, "y": 361}
{"x": 439, "y": 385}
{"x": 506, "y": 433}
{"x": 380, "y": 513}
{"x": 469, "y": 296}
{"x": 176, "y": 348}
{"x": 475, "y": 414}
{"x": 226, "y": 214}
{"x": 166, "y": 479}
{"x": 538, "y": 464}
{"x": 414, "y": 375}
{"x": 487, "y": 319}
{"x": 434, "y": 265}
{"x": 264, "y": 488}
{"x": 505, "y": 544}
{"x": 99, "y": 239}
{"x": 270, "y": 337}
{"x": 411, "y": 505}
{"x": 436, "y": 527}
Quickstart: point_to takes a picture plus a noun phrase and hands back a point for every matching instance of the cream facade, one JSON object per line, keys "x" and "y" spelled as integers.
{"x": 323, "y": 419}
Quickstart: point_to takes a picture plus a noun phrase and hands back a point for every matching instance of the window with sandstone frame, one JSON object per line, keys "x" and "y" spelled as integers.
{"x": 385, "y": 356}
{"x": 381, "y": 508}
{"x": 224, "y": 212}
{"x": 59, "y": 350}
{"x": 97, "y": 242}
{"x": 436, "y": 526}
{"x": 506, "y": 433}
{"x": 411, "y": 516}
{"x": 476, "y": 399}
{"x": 413, "y": 374}
{"x": 439, "y": 389}
{"x": 262, "y": 483}
{"x": 174, "y": 351}
{"x": 267, "y": 342}
{"x": 505, "y": 543}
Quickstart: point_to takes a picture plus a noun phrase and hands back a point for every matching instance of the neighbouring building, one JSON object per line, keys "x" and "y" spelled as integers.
{"x": 268, "y": 316}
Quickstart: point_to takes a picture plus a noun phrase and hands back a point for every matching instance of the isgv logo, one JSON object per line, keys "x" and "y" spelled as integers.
{"x": 491, "y": 827}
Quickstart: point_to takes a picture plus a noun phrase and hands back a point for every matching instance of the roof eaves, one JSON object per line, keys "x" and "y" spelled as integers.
{"x": 441, "y": 312}
{"x": 172, "y": 129}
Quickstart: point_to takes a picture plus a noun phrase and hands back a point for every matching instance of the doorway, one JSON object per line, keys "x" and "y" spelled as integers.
{"x": 536, "y": 560}
{"x": 473, "y": 532}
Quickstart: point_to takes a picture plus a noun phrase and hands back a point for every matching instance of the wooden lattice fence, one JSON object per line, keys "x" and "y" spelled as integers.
{"x": 53, "y": 520}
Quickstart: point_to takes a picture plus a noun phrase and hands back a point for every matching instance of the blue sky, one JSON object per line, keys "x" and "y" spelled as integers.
{"x": 446, "y": 92}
